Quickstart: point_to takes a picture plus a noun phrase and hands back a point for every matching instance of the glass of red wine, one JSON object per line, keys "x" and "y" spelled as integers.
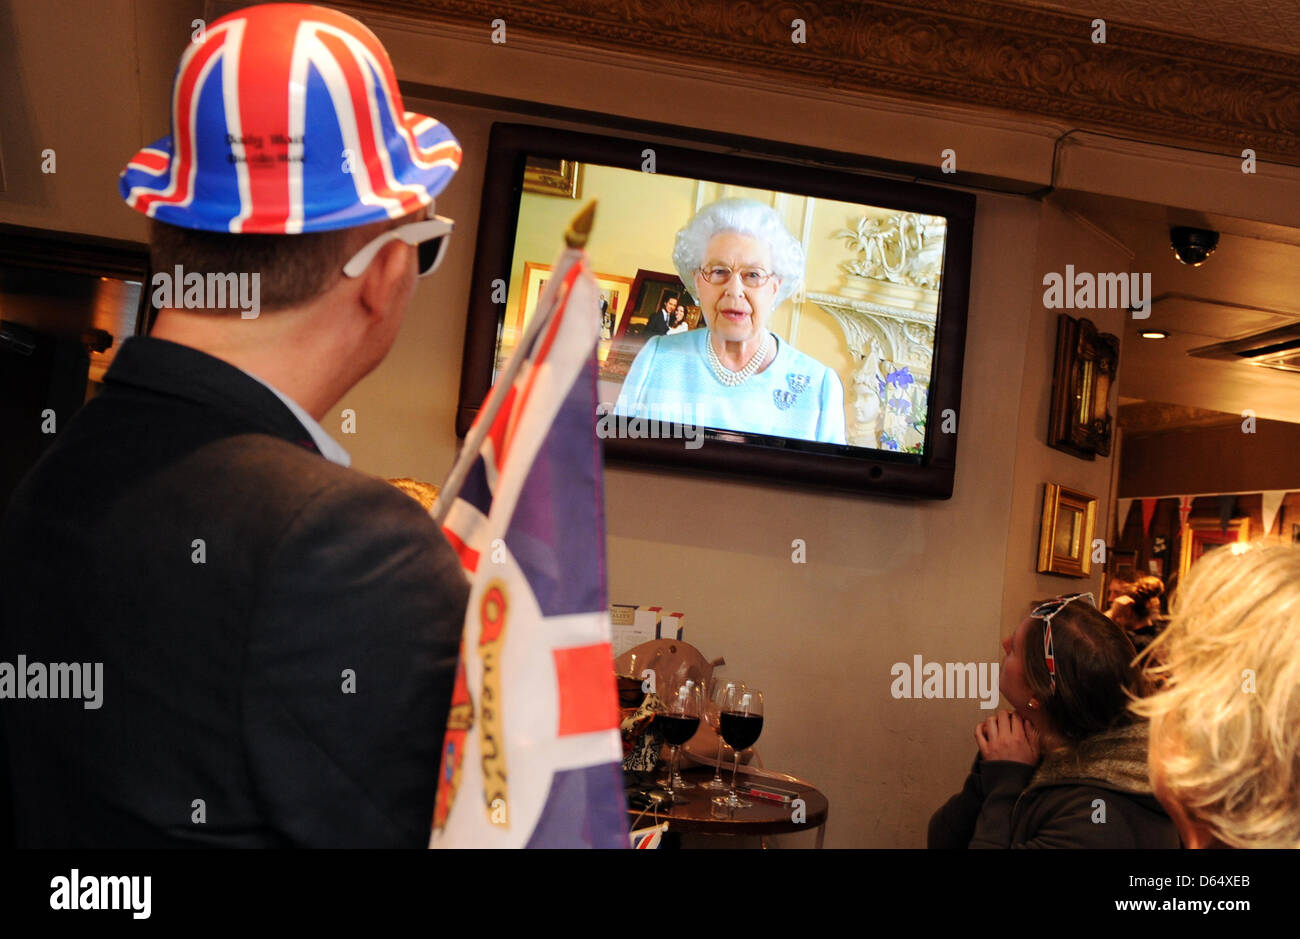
{"x": 714, "y": 707}
{"x": 683, "y": 708}
{"x": 740, "y": 721}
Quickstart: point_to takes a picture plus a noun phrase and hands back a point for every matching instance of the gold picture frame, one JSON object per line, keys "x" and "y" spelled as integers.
{"x": 1065, "y": 536}
{"x": 1080, "y": 422}
{"x": 553, "y": 177}
{"x": 1206, "y": 534}
{"x": 614, "y": 294}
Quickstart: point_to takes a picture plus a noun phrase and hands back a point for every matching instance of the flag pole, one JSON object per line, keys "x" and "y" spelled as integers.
{"x": 575, "y": 238}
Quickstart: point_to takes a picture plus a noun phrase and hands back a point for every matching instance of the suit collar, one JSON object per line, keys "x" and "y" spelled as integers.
{"x": 178, "y": 371}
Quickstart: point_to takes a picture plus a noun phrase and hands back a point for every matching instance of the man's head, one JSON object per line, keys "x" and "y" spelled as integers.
{"x": 292, "y": 269}
{"x": 313, "y": 317}
{"x": 278, "y": 177}
{"x": 670, "y": 304}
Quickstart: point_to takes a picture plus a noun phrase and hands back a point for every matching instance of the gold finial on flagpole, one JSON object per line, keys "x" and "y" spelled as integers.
{"x": 575, "y": 236}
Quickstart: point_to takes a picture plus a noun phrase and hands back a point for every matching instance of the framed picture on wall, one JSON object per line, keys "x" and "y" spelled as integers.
{"x": 1207, "y": 534}
{"x": 1086, "y": 363}
{"x": 553, "y": 177}
{"x": 614, "y": 293}
{"x": 1065, "y": 536}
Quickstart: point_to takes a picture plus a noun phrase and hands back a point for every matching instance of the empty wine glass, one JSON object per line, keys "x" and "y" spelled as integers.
{"x": 740, "y": 721}
{"x": 679, "y": 720}
{"x": 713, "y": 709}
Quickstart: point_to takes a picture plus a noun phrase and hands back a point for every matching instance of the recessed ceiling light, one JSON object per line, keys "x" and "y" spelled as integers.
{"x": 1154, "y": 334}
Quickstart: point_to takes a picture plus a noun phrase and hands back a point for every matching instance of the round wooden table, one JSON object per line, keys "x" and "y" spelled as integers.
{"x": 697, "y": 813}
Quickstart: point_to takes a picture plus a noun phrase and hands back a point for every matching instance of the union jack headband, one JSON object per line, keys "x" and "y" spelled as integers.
{"x": 1045, "y": 612}
{"x": 287, "y": 118}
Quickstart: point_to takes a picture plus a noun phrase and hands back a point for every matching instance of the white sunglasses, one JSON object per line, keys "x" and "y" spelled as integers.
{"x": 429, "y": 237}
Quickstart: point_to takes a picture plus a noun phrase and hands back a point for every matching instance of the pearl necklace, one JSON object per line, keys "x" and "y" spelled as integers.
{"x": 727, "y": 376}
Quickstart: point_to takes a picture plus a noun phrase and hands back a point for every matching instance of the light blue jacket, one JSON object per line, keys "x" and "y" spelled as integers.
{"x": 796, "y": 396}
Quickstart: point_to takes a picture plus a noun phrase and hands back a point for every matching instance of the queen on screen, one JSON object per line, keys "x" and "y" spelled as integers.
{"x": 739, "y": 261}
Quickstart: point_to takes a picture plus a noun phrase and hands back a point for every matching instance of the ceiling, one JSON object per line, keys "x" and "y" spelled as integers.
{"x": 1252, "y": 281}
{"x": 1270, "y": 24}
{"x": 1250, "y": 284}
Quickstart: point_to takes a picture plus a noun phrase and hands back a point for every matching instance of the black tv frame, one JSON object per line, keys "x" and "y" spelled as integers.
{"x": 929, "y": 475}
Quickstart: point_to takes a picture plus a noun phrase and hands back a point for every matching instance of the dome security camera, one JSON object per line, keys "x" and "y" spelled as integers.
{"x": 1193, "y": 245}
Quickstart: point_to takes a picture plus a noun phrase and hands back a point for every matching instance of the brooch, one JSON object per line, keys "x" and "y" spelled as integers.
{"x": 784, "y": 399}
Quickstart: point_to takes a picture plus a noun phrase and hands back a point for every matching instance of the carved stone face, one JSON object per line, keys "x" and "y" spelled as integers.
{"x": 866, "y": 407}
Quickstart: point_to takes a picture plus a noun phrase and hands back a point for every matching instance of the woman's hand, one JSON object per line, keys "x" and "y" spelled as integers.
{"x": 1004, "y": 736}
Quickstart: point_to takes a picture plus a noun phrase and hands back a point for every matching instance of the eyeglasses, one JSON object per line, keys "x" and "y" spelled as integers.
{"x": 1045, "y": 612}
{"x": 430, "y": 238}
{"x": 719, "y": 274}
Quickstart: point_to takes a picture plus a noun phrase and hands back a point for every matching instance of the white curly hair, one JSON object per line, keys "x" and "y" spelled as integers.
{"x": 746, "y": 217}
{"x": 1228, "y": 714}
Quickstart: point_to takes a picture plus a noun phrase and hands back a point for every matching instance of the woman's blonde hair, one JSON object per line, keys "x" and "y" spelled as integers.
{"x": 1227, "y": 717}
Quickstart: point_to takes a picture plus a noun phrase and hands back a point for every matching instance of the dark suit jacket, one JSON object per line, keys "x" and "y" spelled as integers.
{"x": 224, "y": 719}
{"x": 656, "y": 325}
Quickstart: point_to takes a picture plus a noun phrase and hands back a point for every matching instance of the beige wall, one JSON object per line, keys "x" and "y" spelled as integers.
{"x": 884, "y": 579}
{"x": 90, "y": 80}
{"x": 1062, "y": 239}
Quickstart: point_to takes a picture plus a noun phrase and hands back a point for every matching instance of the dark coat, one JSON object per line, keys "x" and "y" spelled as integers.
{"x": 656, "y": 325}
{"x": 1055, "y": 805}
{"x": 225, "y": 719}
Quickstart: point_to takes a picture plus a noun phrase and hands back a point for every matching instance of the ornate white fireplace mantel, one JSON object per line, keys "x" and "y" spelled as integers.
{"x": 885, "y": 341}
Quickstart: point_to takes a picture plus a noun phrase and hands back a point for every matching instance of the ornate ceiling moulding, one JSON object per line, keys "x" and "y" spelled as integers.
{"x": 1140, "y": 84}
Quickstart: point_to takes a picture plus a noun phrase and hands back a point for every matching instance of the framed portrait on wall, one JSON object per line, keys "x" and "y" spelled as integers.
{"x": 1087, "y": 361}
{"x": 1207, "y": 534}
{"x": 548, "y": 176}
{"x": 1065, "y": 537}
{"x": 614, "y": 292}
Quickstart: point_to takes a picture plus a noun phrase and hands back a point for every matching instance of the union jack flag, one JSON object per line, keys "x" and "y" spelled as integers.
{"x": 287, "y": 118}
{"x": 532, "y": 755}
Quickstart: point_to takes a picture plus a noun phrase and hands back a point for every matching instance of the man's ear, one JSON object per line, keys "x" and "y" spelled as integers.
{"x": 381, "y": 284}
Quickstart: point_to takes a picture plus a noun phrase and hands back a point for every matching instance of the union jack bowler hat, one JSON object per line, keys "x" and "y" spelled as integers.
{"x": 286, "y": 118}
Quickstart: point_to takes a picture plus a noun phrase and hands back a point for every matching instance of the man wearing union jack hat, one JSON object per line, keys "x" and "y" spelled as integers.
{"x": 277, "y": 632}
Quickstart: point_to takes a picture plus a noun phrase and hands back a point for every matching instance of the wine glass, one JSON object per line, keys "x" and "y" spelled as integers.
{"x": 740, "y": 721}
{"x": 714, "y": 708}
{"x": 683, "y": 709}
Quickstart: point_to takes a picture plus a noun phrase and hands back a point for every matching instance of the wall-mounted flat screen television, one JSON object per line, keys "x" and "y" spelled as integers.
{"x": 761, "y": 317}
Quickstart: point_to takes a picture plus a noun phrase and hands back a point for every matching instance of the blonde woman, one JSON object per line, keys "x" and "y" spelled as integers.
{"x": 1224, "y": 750}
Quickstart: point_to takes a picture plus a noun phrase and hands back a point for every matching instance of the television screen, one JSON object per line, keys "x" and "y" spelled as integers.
{"x": 765, "y": 306}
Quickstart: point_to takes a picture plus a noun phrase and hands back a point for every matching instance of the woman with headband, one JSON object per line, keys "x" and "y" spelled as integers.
{"x": 1067, "y": 767}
